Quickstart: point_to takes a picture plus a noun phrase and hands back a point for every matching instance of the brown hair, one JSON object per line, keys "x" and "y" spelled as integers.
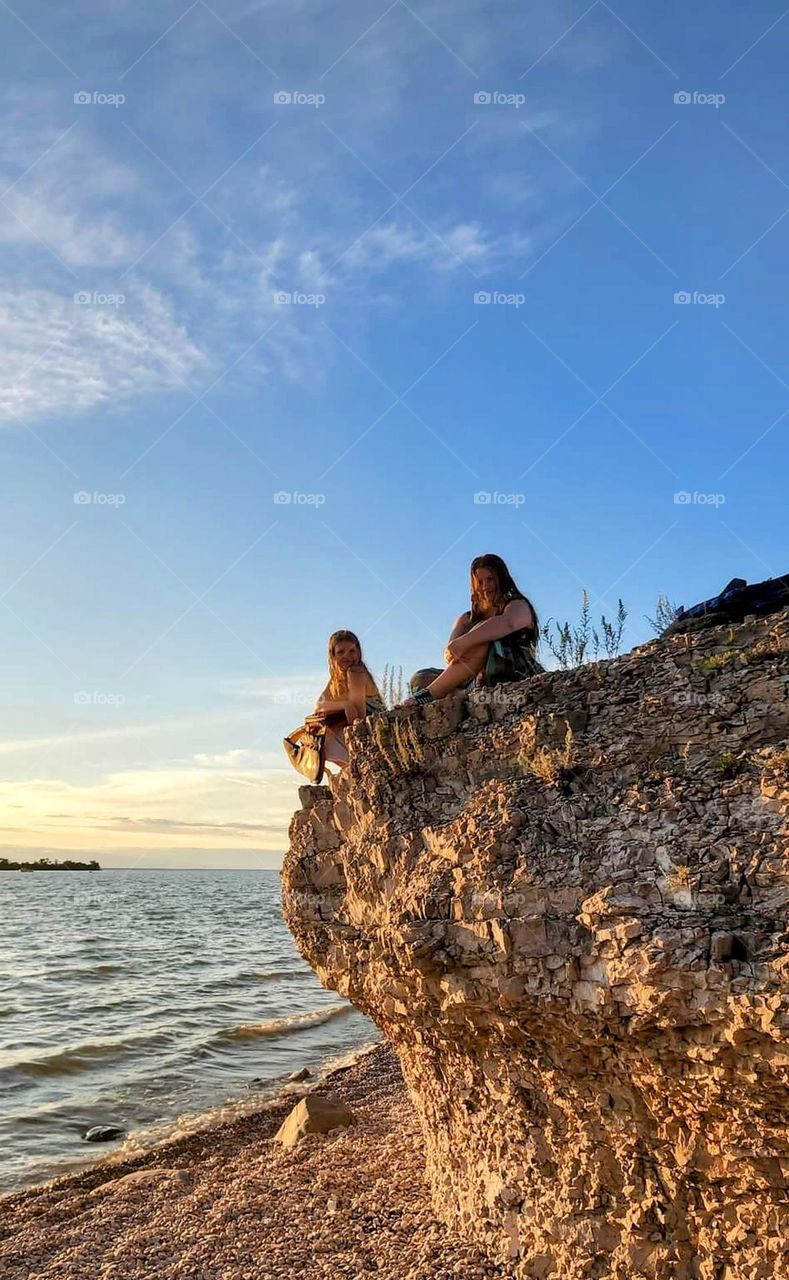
{"x": 338, "y": 679}
{"x": 507, "y": 590}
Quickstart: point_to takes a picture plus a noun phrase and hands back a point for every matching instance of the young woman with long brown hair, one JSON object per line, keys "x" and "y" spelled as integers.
{"x": 351, "y": 694}
{"x": 494, "y": 641}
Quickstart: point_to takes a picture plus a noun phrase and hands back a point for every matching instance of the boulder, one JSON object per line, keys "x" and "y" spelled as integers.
{"x": 569, "y": 921}
{"x": 104, "y": 1133}
{"x": 315, "y": 1113}
{"x": 154, "y": 1177}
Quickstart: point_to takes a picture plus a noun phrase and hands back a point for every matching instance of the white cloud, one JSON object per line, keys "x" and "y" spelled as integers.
{"x": 194, "y": 806}
{"x": 236, "y": 758}
{"x": 444, "y": 249}
{"x": 60, "y": 356}
{"x": 67, "y": 195}
{"x": 293, "y": 688}
{"x": 186, "y": 725}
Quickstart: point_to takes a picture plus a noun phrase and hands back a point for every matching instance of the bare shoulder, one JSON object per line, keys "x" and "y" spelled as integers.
{"x": 519, "y": 612}
{"x": 361, "y": 676}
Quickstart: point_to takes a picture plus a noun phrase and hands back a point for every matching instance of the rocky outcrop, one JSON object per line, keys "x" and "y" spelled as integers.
{"x": 563, "y": 902}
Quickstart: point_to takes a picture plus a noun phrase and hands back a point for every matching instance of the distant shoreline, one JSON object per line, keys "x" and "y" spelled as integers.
{"x": 5, "y": 865}
{"x": 46, "y": 864}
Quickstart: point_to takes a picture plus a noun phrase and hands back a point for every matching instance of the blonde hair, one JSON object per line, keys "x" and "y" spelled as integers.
{"x": 338, "y": 679}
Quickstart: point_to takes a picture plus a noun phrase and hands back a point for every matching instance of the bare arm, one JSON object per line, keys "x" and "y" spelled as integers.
{"x": 325, "y": 706}
{"x": 325, "y": 703}
{"x": 459, "y": 628}
{"x": 517, "y": 615}
{"x": 356, "y": 705}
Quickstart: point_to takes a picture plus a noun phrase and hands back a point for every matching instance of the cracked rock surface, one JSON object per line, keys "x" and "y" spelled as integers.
{"x": 564, "y": 904}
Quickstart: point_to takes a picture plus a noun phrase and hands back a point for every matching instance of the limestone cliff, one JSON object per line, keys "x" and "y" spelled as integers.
{"x": 564, "y": 905}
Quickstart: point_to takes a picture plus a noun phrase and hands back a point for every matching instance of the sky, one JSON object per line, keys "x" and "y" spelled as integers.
{"x": 305, "y": 304}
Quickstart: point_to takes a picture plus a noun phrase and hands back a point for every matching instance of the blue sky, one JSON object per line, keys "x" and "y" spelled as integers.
{"x": 247, "y": 252}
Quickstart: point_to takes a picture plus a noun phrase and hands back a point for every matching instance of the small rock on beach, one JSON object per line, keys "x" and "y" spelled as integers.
{"x": 314, "y": 1114}
{"x": 104, "y": 1133}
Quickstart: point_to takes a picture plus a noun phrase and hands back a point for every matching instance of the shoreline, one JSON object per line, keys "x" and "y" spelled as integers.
{"x": 229, "y": 1202}
{"x": 139, "y": 1148}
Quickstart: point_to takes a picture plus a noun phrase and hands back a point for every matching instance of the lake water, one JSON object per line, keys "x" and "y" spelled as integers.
{"x": 147, "y": 999}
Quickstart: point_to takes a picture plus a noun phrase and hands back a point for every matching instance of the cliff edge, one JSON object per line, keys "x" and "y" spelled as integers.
{"x": 564, "y": 903}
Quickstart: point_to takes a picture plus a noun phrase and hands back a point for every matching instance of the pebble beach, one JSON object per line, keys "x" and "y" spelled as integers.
{"x": 232, "y": 1204}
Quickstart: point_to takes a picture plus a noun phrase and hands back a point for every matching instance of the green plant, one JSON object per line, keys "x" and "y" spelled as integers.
{"x": 726, "y": 764}
{"x": 552, "y": 764}
{"x": 570, "y": 644}
{"x": 408, "y": 745}
{"x": 665, "y": 614}
{"x": 778, "y": 765}
{"x": 717, "y": 661}
{"x": 678, "y": 878}
{"x": 398, "y": 741}
{"x": 392, "y": 685}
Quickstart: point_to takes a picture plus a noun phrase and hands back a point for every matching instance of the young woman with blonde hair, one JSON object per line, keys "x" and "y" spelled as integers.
{"x": 351, "y": 694}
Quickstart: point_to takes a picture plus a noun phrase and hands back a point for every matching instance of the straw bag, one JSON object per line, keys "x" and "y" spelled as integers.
{"x": 305, "y": 747}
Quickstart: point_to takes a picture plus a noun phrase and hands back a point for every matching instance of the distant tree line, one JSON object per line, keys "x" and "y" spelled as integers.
{"x": 46, "y": 864}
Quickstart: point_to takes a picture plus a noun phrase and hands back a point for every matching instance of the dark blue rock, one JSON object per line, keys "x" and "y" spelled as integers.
{"x": 104, "y": 1133}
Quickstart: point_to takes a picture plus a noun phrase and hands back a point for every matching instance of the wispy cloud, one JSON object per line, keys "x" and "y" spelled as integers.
{"x": 122, "y": 202}
{"x": 66, "y": 197}
{"x": 70, "y": 353}
{"x": 196, "y": 805}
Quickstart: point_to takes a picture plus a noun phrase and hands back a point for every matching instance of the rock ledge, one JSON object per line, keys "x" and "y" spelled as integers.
{"x": 565, "y": 908}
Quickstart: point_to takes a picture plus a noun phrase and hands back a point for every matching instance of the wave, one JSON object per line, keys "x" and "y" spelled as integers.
{"x": 273, "y": 1091}
{"x": 249, "y": 977}
{"x": 283, "y": 1026}
{"x": 83, "y": 1057}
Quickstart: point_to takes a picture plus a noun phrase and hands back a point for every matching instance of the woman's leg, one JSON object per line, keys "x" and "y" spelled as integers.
{"x": 459, "y": 672}
{"x": 335, "y": 750}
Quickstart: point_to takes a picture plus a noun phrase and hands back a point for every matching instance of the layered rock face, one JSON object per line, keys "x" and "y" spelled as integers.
{"x": 564, "y": 902}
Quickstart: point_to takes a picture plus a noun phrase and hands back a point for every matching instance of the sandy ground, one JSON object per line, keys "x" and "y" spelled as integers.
{"x": 231, "y": 1204}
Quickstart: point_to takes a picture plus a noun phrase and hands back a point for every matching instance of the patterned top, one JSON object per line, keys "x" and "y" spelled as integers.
{"x": 513, "y": 657}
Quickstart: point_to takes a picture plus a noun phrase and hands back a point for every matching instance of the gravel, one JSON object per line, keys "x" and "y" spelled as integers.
{"x": 231, "y": 1204}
